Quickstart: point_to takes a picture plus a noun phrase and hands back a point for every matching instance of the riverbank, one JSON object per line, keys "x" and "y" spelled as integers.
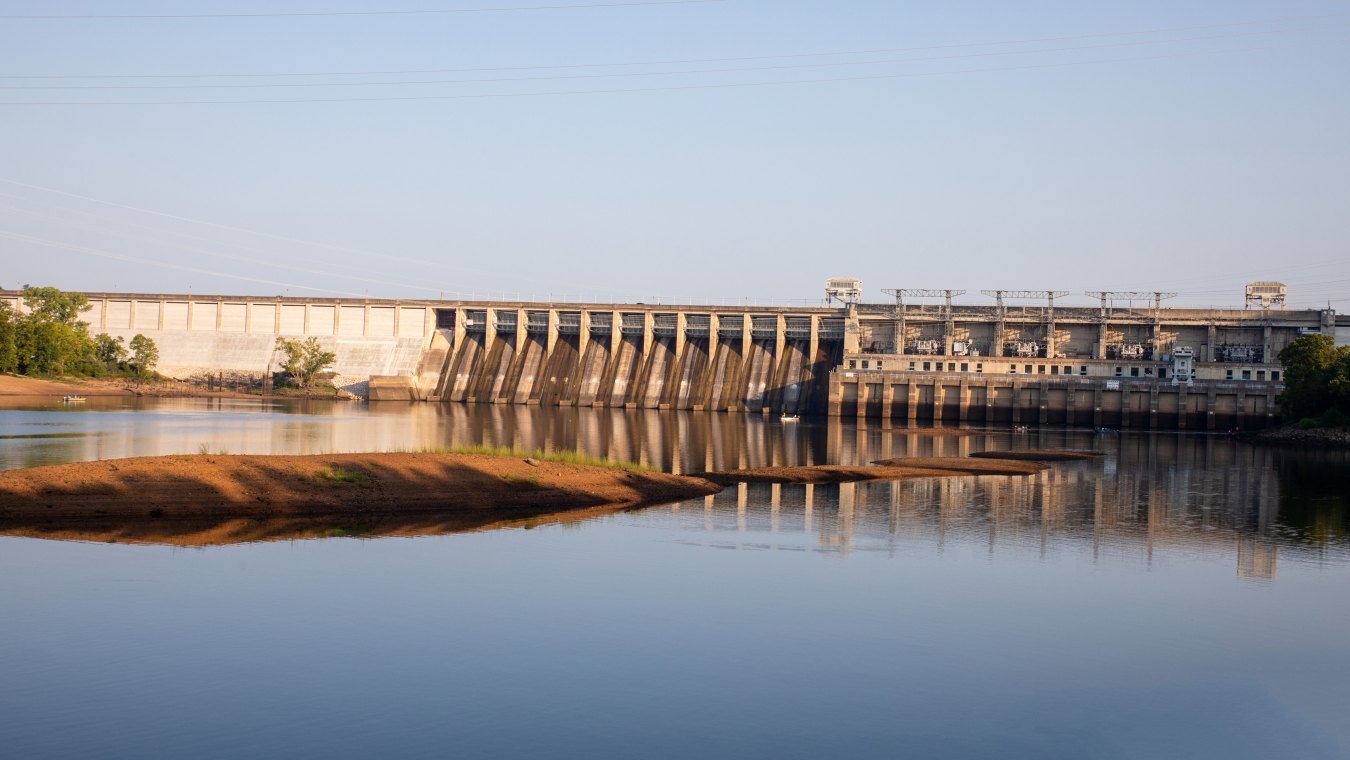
{"x": 13, "y": 385}
{"x": 1292, "y": 435}
{"x": 16, "y": 386}
{"x": 348, "y": 485}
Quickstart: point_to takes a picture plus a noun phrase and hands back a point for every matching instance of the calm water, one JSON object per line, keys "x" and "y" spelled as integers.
{"x": 1183, "y": 597}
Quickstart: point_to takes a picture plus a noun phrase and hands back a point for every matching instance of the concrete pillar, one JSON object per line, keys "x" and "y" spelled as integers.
{"x": 887, "y": 399}
{"x": 746, "y": 340}
{"x": 963, "y": 400}
{"x": 852, "y": 332}
{"x": 780, "y": 338}
{"x": 836, "y": 401}
{"x": 712, "y": 346}
{"x": 552, "y": 334}
{"x": 1125, "y": 402}
{"x": 1000, "y": 327}
{"x": 1016, "y": 402}
{"x": 522, "y": 331}
{"x": 584, "y": 337}
{"x": 1212, "y": 338}
{"x": 428, "y": 324}
{"x": 490, "y": 329}
{"x": 1043, "y": 401}
{"x": 1097, "y": 407}
{"x": 1183, "y": 402}
{"x": 912, "y": 402}
{"x": 1267, "y": 347}
{"x": 813, "y": 344}
{"x": 1070, "y": 401}
{"x": 1153, "y": 407}
{"x": 647, "y": 322}
{"x": 1100, "y": 352}
{"x": 1050, "y": 340}
{"x": 615, "y": 333}
{"x": 461, "y": 314}
{"x": 681, "y": 320}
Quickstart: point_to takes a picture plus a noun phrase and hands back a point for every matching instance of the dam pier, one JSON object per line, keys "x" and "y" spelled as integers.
{"x": 1045, "y": 365}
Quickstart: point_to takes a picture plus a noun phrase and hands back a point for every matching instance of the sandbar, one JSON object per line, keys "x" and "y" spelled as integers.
{"x": 348, "y": 485}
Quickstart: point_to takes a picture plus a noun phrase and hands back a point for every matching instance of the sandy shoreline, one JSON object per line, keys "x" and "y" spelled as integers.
{"x": 205, "y": 499}
{"x": 362, "y": 485}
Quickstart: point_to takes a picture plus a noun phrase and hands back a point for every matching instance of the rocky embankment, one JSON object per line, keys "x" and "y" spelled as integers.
{"x": 1290, "y": 435}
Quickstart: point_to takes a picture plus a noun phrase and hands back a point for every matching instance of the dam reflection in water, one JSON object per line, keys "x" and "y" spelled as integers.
{"x": 1148, "y": 497}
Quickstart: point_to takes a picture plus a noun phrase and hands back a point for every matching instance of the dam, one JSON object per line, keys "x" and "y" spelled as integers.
{"x": 1144, "y": 367}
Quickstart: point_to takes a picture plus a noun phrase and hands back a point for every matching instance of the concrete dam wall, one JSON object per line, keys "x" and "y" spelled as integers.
{"x": 236, "y": 335}
{"x": 648, "y": 359}
{"x": 981, "y": 365}
{"x": 635, "y": 356}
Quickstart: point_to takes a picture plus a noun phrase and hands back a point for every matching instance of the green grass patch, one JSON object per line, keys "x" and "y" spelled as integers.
{"x": 343, "y": 475}
{"x": 562, "y": 457}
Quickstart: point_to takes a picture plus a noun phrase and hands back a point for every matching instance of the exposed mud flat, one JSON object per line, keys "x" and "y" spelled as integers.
{"x": 1040, "y": 455}
{"x": 887, "y": 469}
{"x": 348, "y": 485}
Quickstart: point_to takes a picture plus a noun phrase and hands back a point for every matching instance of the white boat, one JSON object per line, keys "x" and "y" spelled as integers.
{"x": 72, "y": 399}
{"x": 792, "y": 418}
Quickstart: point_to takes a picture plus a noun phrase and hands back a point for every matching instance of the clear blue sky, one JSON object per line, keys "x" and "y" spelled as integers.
{"x": 1187, "y": 146}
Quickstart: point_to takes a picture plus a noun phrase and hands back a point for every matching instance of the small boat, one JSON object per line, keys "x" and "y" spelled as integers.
{"x": 792, "y": 418}
{"x": 72, "y": 399}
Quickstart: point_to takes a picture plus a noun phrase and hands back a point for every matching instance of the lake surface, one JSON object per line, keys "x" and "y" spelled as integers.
{"x": 1182, "y": 596}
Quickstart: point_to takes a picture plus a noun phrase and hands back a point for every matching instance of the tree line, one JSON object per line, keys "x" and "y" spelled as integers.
{"x": 1316, "y": 382}
{"x": 48, "y": 339}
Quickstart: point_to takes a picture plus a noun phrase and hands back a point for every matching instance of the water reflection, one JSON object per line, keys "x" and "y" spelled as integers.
{"x": 1150, "y": 495}
{"x": 1071, "y": 509}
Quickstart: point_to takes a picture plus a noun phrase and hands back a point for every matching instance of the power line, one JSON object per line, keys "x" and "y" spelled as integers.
{"x": 625, "y": 90}
{"x": 269, "y": 235}
{"x": 315, "y": 14}
{"x": 180, "y": 248}
{"x": 155, "y": 263}
{"x": 605, "y": 75}
{"x": 680, "y": 61}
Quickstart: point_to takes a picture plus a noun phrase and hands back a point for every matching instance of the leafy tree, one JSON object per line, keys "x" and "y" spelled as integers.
{"x": 302, "y": 360}
{"x": 51, "y": 305}
{"x": 49, "y": 339}
{"x": 9, "y": 335}
{"x": 110, "y": 350}
{"x": 144, "y": 354}
{"x": 1316, "y": 378}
